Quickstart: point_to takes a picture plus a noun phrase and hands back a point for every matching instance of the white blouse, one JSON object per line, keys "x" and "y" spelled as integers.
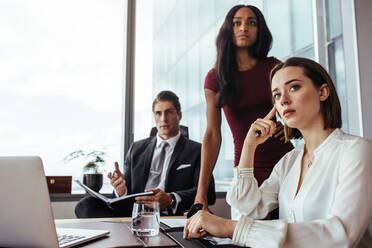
{"x": 333, "y": 207}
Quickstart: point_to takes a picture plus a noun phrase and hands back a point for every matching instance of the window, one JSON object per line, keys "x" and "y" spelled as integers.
{"x": 61, "y": 80}
{"x": 291, "y": 24}
{"x": 175, "y": 48}
{"x": 336, "y": 61}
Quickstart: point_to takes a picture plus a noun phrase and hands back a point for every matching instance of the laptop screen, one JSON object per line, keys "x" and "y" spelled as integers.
{"x": 26, "y": 217}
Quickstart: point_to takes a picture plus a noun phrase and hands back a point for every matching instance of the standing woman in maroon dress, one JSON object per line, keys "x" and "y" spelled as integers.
{"x": 239, "y": 84}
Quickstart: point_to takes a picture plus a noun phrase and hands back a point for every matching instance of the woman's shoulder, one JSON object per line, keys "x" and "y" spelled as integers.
{"x": 211, "y": 80}
{"x": 354, "y": 153}
{"x": 270, "y": 61}
{"x": 349, "y": 141}
{"x": 346, "y": 147}
{"x": 212, "y": 73}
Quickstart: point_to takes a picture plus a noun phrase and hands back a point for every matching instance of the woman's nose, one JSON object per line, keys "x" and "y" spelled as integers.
{"x": 243, "y": 27}
{"x": 285, "y": 99}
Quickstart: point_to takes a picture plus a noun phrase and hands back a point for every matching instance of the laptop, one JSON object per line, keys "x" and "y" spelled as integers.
{"x": 26, "y": 217}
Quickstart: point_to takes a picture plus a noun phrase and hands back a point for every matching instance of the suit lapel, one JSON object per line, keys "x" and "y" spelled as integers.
{"x": 177, "y": 150}
{"x": 147, "y": 160}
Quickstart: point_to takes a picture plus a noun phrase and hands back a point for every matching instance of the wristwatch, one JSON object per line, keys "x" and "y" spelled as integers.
{"x": 173, "y": 202}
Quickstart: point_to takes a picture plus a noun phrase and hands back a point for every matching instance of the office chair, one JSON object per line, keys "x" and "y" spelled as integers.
{"x": 183, "y": 129}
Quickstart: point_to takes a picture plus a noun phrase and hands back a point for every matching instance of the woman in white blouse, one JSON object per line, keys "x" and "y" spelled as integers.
{"x": 323, "y": 188}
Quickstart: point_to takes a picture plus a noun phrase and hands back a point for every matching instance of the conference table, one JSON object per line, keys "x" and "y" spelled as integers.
{"x": 122, "y": 236}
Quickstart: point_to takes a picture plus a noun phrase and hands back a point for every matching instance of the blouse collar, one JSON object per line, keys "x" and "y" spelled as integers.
{"x": 334, "y": 135}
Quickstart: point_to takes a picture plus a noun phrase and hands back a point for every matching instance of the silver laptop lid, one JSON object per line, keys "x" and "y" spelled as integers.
{"x": 26, "y": 217}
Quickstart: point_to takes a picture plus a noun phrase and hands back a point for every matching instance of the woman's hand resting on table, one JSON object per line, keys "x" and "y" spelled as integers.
{"x": 203, "y": 223}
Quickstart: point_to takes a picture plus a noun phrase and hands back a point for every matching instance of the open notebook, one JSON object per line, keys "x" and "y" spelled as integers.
{"x": 26, "y": 218}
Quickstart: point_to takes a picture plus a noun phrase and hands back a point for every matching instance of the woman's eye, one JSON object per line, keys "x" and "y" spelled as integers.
{"x": 294, "y": 88}
{"x": 276, "y": 96}
{"x": 237, "y": 23}
{"x": 252, "y": 23}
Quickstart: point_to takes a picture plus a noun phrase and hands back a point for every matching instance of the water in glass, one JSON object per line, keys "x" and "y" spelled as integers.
{"x": 145, "y": 219}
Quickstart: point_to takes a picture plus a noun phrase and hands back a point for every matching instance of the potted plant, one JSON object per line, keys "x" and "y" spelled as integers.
{"x": 93, "y": 178}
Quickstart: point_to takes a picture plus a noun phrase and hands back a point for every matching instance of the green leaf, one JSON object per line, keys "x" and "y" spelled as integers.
{"x": 96, "y": 158}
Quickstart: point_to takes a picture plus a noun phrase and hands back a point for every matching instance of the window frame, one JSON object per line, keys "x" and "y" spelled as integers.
{"x": 127, "y": 99}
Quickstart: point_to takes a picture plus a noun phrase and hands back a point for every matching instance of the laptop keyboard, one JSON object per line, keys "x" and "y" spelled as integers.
{"x": 64, "y": 239}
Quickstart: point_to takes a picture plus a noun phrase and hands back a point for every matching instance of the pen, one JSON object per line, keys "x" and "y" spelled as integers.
{"x": 257, "y": 133}
{"x": 194, "y": 209}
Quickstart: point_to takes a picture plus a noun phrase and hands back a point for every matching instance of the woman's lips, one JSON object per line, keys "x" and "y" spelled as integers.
{"x": 288, "y": 112}
{"x": 242, "y": 36}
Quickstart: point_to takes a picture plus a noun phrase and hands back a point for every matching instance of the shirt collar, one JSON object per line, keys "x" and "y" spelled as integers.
{"x": 171, "y": 141}
{"x": 335, "y": 134}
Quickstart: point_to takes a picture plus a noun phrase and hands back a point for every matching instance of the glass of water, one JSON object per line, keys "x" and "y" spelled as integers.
{"x": 145, "y": 218}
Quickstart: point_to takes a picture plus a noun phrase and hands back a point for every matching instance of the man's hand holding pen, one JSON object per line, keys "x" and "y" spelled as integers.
{"x": 117, "y": 180}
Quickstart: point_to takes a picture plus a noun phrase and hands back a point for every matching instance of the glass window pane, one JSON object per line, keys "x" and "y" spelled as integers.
{"x": 302, "y": 21}
{"x": 280, "y": 27}
{"x": 306, "y": 53}
{"x": 334, "y": 23}
{"x": 61, "y": 80}
{"x": 291, "y": 24}
{"x": 336, "y": 64}
{"x": 336, "y": 60}
{"x": 147, "y": 66}
{"x": 180, "y": 52}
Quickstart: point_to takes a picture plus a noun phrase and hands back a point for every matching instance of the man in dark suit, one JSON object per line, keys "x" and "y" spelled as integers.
{"x": 167, "y": 164}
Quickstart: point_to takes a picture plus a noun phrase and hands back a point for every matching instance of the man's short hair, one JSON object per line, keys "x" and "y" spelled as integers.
{"x": 169, "y": 96}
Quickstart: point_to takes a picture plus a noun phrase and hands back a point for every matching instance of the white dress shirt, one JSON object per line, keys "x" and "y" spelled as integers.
{"x": 333, "y": 207}
{"x": 168, "y": 155}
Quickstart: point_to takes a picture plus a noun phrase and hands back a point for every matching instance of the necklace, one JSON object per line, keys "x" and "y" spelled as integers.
{"x": 309, "y": 164}
{"x": 309, "y": 161}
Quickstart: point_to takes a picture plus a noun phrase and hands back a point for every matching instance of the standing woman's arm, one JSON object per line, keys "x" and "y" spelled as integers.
{"x": 211, "y": 146}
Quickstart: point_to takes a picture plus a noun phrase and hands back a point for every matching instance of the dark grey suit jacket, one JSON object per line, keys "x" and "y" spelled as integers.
{"x": 183, "y": 181}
